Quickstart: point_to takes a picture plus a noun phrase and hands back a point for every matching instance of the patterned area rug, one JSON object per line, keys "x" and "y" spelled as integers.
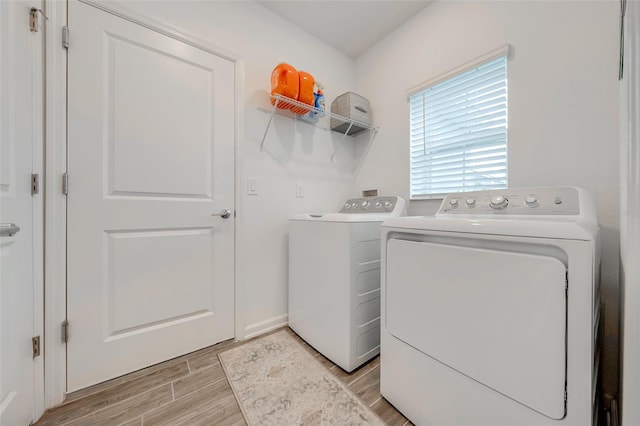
{"x": 277, "y": 382}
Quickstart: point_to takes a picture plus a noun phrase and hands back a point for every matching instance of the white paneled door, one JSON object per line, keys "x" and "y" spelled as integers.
{"x": 20, "y": 136}
{"x": 151, "y": 166}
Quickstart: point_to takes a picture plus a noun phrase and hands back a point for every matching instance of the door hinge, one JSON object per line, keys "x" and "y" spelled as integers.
{"x": 65, "y": 331}
{"x": 65, "y": 37}
{"x": 34, "y": 22}
{"x": 35, "y": 184}
{"x": 65, "y": 183}
{"x": 36, "y": 346}
{"x": 33, "y": 19}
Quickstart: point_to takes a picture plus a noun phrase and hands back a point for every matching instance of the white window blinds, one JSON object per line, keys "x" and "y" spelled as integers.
{"x": 458, "y": 132}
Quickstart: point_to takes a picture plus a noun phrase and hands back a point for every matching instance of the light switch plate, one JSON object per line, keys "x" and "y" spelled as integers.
{"x": 252, "y": 186}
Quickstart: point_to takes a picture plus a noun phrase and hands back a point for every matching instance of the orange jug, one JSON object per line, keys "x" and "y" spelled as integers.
{"x": 284, "y": 82}
{"x": 305, "y": 94}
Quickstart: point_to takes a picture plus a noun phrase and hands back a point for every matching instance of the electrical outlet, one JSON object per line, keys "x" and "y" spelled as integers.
{"x": 299, "y": 191}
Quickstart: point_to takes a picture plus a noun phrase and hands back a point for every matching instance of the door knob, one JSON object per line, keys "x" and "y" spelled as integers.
{"x": 224, "y": 213}
{"x": 8, "y": 229}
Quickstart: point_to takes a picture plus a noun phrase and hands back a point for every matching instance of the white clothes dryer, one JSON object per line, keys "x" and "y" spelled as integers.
{"x": 490, "y": 310}
{"x": 334, "y": 278}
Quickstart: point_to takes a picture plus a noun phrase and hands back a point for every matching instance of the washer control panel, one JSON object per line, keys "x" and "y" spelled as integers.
{"x": 554, "y": 201}
{"x": 371, "y": 205}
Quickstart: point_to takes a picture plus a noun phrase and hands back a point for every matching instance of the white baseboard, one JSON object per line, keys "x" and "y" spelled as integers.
{"x": 265, "y": 326}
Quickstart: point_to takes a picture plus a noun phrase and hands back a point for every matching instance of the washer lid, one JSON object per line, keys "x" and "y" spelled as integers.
{"x": 521, "y": 227}
{"x": 340, "y": 217}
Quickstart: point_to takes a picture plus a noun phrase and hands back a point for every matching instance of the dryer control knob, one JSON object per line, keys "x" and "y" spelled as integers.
{"x": 454, "y": 202}
{"x": 378, "y": 205}
{"x": 531, "y": 201}
{"x": 364, "y": 204}
{"x": 347, "y": 205}
{"x": 387, "y": 204}
{"x": 471, "y": 202}
{"x": 498, "y": 202}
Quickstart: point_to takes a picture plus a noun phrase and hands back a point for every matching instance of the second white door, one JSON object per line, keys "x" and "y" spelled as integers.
{"x": 21, "y": 76}
{"x": 151, "y": 161}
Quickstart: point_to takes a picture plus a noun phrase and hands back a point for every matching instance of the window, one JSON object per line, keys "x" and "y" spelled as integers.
{"x": 458, "y": 130}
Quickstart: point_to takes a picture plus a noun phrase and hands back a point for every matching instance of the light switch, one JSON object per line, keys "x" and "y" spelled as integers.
{"x": 252, "y": 186}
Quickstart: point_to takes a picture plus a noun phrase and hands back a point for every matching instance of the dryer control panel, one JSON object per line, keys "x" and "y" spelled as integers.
{"x": 551, "y": 201}
{"x": 378, "y": 205}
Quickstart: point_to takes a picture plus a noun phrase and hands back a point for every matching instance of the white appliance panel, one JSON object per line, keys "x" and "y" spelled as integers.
{"x": 317, "y": 306}
{"x": 334, "y": 278}
{"x": 329, "y": 263}
{"x": 495, "y": 316}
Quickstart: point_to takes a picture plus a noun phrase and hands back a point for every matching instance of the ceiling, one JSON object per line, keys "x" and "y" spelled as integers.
{"x": 351, "y": 26}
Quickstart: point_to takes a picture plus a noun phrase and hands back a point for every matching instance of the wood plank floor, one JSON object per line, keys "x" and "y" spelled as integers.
{"x": 193, "y": 390}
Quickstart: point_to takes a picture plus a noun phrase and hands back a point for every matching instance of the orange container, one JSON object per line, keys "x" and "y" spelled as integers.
{"x": 305, "y": 95}
{"x": 285, "y": 82}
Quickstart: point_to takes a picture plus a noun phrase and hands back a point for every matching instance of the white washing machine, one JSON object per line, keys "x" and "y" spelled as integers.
{"x": 334, "y": 278}
{"x": 490, "y": 310}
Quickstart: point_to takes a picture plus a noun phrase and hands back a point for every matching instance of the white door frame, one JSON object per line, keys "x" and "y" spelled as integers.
{"x": 38, "y": 214}
{"x": 56, "y": 165}
{"x": 629, "y": 210}
{"x": 55, "y": 205}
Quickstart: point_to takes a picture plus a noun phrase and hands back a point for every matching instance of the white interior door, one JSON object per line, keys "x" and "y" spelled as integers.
{"x": 151, "y": 158}
{"x": 20, "y": 76}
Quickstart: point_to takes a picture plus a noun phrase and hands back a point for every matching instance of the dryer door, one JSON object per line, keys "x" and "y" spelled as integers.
{"x": 495, "y": 316}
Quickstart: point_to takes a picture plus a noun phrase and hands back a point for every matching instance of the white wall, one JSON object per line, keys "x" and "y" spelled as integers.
{"x": 293, "y": 152}
{"x": 563, "y": 104}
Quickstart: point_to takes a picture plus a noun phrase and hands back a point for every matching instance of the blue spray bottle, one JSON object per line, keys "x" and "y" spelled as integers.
{"x": 319, "y": 101}
{"x": 314, "y": 116}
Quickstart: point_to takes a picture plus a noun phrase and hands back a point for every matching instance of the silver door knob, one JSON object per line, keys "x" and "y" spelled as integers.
{"x": 8, "y": 229}
{"x": 224, "y": 213}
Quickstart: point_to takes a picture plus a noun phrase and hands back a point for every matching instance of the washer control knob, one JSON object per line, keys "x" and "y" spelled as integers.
{"x": 498, "y": 202}
{"x": 531, "y": 201}
{"x": 471, "y": 202}
{"x": 364, "y": 204}
{"x": 454, "y": 202}
{"x": 378, "y": 204}
{"x": 388, "y": 204}
{"x": 347, "y": 205}
{"x": 354, "y": 205}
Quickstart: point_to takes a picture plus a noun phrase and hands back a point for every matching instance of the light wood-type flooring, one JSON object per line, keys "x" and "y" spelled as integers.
{"x": 192, "y": 390}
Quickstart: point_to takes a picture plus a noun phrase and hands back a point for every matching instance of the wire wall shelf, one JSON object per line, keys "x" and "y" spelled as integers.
{"x": 285, "y": 107}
